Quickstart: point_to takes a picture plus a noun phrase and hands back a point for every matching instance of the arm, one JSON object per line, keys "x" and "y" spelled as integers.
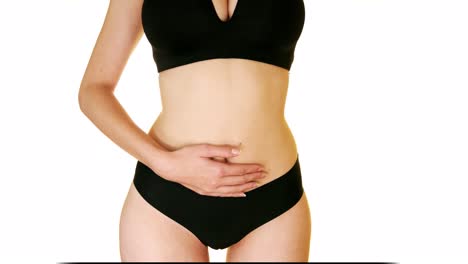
{"x": 120, "y": 33}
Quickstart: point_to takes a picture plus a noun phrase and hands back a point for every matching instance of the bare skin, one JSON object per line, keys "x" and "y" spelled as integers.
{"x": 217, "y": 101}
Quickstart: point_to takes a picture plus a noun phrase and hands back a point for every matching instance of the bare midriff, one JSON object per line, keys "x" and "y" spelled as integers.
{"x": 227, "y": 101}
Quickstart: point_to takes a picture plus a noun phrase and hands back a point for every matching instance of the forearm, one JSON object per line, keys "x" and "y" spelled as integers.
{"x": 107, "y": 114}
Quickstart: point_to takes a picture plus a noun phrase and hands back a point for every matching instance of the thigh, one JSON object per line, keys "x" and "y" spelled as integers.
{"x": 145, "y": 234}
{"x": 285, "y": 238}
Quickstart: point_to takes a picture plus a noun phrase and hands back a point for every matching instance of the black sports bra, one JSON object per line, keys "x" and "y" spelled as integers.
{"x": 185, "y": 31}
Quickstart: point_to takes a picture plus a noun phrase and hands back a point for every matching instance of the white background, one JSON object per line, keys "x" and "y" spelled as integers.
{"x": 377, "y": 104}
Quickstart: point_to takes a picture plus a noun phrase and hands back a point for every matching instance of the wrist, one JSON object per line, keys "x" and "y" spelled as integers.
{"x": 160, "y": 163}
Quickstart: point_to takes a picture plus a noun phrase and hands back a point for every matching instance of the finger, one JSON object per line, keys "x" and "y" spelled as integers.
{"x": 241, "y": 194}
{"x": 241, "y": 179}
{"x": 216, "y": 194}
{"x": 250, "y": 189}
{"x": 192, "y": 188}
{"x": 220, "y": 194}
{"x": 237, "y": 188}
{"x": 232, "y": 169}
{"x": 225, "y": 151}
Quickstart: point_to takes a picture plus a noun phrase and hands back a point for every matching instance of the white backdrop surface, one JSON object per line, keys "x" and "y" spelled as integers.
{"x": 377, "y": 104}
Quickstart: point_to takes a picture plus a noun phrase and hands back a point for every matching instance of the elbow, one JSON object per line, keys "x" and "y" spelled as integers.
{"x": 87, "y": 95}
{"x": 82, "y": 98}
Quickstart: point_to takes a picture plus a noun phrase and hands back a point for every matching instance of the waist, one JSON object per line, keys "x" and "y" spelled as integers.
{"x": 268, "y": 142}
{"x": 227, "y": 102}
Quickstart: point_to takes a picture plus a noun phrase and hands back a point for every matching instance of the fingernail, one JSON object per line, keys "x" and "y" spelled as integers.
{"x": 244, "y": 195}
{"x": 235, "y": 151}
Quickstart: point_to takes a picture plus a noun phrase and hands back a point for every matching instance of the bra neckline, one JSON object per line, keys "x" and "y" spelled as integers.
{"x": 218, "y": 19}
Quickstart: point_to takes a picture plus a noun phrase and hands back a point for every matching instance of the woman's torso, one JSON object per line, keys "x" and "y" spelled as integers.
{"x": 227, "y": 101}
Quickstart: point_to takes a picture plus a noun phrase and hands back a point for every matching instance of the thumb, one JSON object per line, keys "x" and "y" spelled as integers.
{"x": 225, "y": 151}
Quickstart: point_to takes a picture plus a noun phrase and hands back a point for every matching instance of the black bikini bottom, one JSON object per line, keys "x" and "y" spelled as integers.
{"x": 219, "y": 222}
